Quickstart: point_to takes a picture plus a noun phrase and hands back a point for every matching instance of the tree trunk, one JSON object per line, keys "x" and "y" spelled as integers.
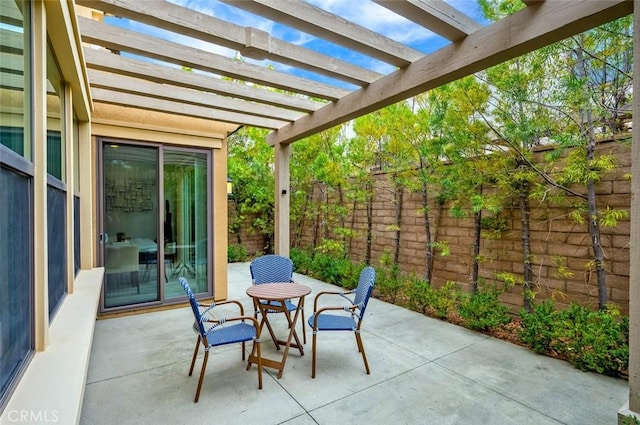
{"x": 524, "y": 193}
{"x": 477, "y": 230}
{"x": 594, "y": 225}
{"x": 399, "y": 198}
{"x": 297, "y": 242}
{"x": 428, "y": 248}
{"x": 369, "y": 207}
{"x": 237, "y": 227}
{"x": 352, "y": 225}
{"x": 325, "y": 211}
{"x": 598, "y": 254}
{"x": 316, "y": 228}
{"x": 342, "y": 221}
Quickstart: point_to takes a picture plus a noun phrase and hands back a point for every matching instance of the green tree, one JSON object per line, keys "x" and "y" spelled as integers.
{"x": 319, "y": 176}
{"x": 521, "y": 122}
{"x": 250, "y": 166}
{"x": 597, "y": 86}
{"x": 469, "y": 166}
{"x": 364, "y": 154}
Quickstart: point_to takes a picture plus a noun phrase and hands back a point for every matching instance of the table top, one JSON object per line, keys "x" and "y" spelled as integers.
{"x": 278, "y": 291}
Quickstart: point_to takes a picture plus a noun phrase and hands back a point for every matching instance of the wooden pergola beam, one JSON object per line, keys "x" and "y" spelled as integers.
{"x": 142, "y": 87}
{"x": 313, "y": 20}
{"x": 179, "y": 108}
{"x": 435, "y": 15}
{"x": 117, "y": 64}
{"x": 250, "y": 42}
{"x": 529, "y": 29}
{"x": 120, "y": 39}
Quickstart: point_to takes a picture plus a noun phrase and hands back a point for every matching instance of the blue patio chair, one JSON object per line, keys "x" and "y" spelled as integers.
{"x": 275, "y": 269}
{"x": 221, "y": 332}
{"x": 351, "y": 317}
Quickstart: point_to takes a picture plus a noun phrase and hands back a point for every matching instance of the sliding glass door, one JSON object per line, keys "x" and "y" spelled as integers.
{"x": 130, "y": 223}
{"x": 145, "y": 186}
{"x": 185, "y": 228}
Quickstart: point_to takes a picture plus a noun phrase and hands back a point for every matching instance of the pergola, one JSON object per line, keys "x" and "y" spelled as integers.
{"x": 151, "y": 75}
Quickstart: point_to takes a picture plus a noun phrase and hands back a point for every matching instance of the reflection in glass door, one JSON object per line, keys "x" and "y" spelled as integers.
{"x": 130, "y": 224}
{"x": 186, "y": 245}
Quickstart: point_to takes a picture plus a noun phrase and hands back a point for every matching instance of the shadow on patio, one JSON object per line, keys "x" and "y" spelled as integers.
{"x": 423, "y": 371}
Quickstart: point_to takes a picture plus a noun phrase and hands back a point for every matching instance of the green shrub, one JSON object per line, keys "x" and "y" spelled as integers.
{"x": 236, "y": 254}
{"x": 598, "y": 340}
{"x": 539, "y": 327}
{"x": 446, "y": 299}
{"x": 631, "y": 420}
{"x": 483, "y": 310}
{"x": 590, "y": 340}
{"x": 332, "y": 270}
{"x": 389, "y": 282}
{"x": 436, "y": 302}
{"x": 301, "y": 260}
{"x": 420, "y": 294}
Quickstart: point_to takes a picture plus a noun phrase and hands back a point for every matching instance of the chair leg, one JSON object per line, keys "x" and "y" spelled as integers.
{"x": 304, "y": 329}
{"x": 204, "y": 367}
{"x": 272, "y": 333}
{"x": 361, "y": 349}
{"x": 258, "y": 353}
{"x": 263, "y": 321}
{"x": 195, "y": 354}
{"x": 313, "y": 355}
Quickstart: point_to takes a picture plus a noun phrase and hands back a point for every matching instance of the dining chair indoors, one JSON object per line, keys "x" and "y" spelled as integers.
{"x": 345, "y": 317}
{"x": 214, "y": 331}
{"x": 275, "y": 269}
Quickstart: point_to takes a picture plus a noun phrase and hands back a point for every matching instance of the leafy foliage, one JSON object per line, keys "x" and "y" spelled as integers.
{"x": 590, "y": 340}
{"x": 338, "y": 271}
{"x": 483, "y": 310}
{"x": 236, "y": 253}
{"x": 301, "y": 260}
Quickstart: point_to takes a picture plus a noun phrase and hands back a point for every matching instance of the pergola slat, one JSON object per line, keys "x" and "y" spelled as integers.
{"x": 106, "y": 61}
{"x": 435, "y": 15}
{"x": 528, "y": 29}
{"x": 174, "y": 107}
{"x": 120, "y": 39}
{"x": 313, "y": 20}
{"x": 106, "y": 80}
{"x": 250, "y": 42}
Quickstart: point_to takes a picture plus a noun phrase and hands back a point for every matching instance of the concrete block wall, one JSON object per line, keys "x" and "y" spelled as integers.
{"x": 556, "y": 240}
{"x": 558, "y": 243}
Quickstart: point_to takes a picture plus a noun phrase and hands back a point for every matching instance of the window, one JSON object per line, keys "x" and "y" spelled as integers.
{"x": 55, "y": 118}
{"x": 16, "y": 181}
{"x": 14, "y": 77}
{"x": 56, "y": 190}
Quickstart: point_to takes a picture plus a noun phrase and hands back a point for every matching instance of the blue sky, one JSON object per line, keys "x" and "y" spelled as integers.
{"x": 363, "y": 12}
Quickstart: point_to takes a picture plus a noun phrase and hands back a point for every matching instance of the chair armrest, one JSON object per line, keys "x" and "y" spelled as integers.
{"x": 339, "y": 293}
{"x": 251, "y": 319}
{"x": 236, "y": 302}
{"x": 317, "y": 314}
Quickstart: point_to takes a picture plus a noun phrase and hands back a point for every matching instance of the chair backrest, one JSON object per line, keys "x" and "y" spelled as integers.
{"x": 364, "y": 289}
{"x": 270, "y": 269}
{"x": 194, "y": 306}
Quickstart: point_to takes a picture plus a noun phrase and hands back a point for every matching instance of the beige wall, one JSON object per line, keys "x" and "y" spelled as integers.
{"x": 150, "y": 126}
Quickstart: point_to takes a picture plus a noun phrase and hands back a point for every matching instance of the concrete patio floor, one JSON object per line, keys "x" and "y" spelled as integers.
{"x": 423, "y": 371}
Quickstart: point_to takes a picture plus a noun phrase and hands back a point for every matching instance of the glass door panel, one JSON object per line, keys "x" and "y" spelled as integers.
{"x": 186, "y": 245}
{"x": 130, "y": 224}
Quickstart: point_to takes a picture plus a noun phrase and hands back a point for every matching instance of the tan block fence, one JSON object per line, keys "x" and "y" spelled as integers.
{"x": 555, "y": 239}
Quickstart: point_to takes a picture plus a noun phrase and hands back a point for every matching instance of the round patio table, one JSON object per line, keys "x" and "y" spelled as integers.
{"x": 279, "y": 292}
